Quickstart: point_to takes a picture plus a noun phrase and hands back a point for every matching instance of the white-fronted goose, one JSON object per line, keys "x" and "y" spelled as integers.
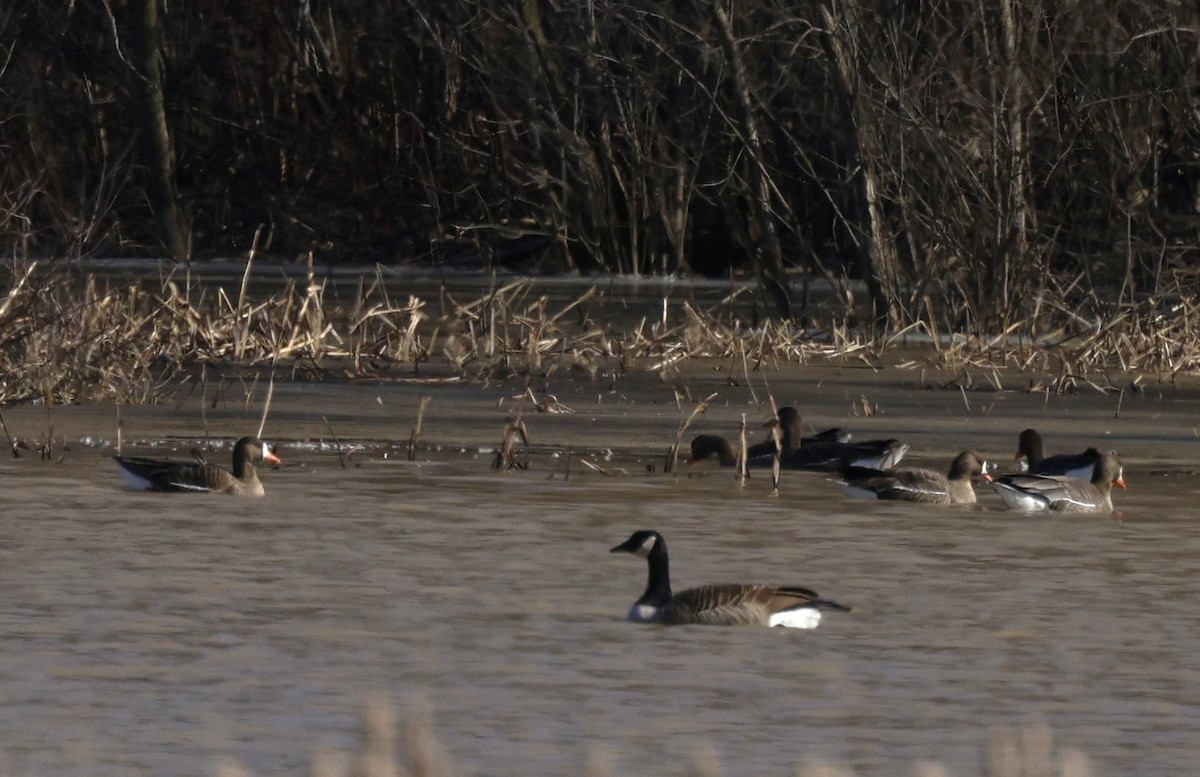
{"x": 144, "y": 474}
{"x": 919, "y": 485}
{"x": 1064, "y": 494}
{"x": 1077, "y": 465}
{"x": 729, "y": 604}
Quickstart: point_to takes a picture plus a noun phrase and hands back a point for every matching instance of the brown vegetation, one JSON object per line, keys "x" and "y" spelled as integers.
{"x": 68, "y": 339}
{"x": 388, "y": 750}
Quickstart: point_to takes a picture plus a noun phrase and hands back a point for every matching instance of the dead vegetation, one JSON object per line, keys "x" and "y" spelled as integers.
{"x": 390, "y": 747}
{"x": 70, "y": 339}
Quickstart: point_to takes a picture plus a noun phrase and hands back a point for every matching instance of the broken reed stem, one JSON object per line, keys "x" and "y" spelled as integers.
{"x": 506, "y": 456}
{"x": 777, "y": 438}
{"x": 742, "y": 462}
{"x": 336, "y": 443}
{"x": 416, "y": 430}
{"x": 12, "y": 446}
{"x": 243, "y": 330}
{"x": 204, "y": 403}
{"x": 262, "y": 424}
{"x": 701, "y": 407}
{"x": 120, "y": 427}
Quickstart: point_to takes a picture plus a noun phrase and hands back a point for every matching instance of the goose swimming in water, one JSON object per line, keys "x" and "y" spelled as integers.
{"x": 1075, "y": 465}
{"x": 1064, "y": 494}
{"x": 145, "y": 474}
{"x": 919, "y": 485}
{"x": 730, "y": 604}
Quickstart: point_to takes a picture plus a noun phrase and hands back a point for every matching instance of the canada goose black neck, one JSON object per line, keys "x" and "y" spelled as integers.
{"x": 651, "y": 546}
{"x": 791, "y": 429}
{"x": 1029, "y": 445}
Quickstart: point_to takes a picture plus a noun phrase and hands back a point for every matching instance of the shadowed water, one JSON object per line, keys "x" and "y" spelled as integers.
{"x": 161, "y": 634}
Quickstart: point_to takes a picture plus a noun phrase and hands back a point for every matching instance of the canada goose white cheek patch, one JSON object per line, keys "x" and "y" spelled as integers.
{"x": 647, "y": 546}
{"x": 799, "y": 618}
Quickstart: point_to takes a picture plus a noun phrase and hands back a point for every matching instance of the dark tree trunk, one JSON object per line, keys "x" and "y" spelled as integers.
{"x": 157, "y": 155}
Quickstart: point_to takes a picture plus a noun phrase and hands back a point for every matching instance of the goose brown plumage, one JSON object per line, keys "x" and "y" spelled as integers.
{"x": 919, "y": 485}
{"x": 146, "y": 474}
{"x": 1064, "y": 494}
{"x": 729, "y": 604}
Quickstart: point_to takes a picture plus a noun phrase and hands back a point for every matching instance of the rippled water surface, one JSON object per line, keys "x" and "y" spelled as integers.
{"x": 162, "y": 634}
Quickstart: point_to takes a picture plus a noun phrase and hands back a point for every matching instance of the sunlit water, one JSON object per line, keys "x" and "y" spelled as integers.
{"x": 162, "y": 634}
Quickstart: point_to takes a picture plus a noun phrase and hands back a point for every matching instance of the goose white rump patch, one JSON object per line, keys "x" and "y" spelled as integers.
{"x": 799, "y": 618}
{"x": 643, "y": 613}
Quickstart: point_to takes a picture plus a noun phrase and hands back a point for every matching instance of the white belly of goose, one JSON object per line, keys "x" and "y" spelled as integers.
{"x": 799, "y": 618}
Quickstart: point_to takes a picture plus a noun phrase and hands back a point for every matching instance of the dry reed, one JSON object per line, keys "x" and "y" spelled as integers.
{"x": 390, "y": 749}
{"x": 66, "y": 339}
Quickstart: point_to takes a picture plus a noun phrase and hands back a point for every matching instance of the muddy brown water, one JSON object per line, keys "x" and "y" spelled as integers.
{"x": 163, "y": 634}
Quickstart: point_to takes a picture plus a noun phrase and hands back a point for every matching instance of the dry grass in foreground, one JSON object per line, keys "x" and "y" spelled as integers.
{"x": 413, "y": 750}
{"x": 66, "y": 339}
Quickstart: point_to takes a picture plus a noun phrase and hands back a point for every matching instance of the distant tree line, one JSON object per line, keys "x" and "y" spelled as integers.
{"x": 980, "y": 156}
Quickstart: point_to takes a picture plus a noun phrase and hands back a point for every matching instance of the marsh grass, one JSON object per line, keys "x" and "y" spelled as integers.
{"x": 390, "y": 747}
{"x": 71, "y": 339}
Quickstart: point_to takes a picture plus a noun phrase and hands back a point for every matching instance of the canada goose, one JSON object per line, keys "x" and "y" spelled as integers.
{"x": 1064, "y": 494}
{"x": 731, "y": 604}
{"x": 144, "y": 474}
{"x": 919, "y": 485}
{"x": 1077, "y": 465}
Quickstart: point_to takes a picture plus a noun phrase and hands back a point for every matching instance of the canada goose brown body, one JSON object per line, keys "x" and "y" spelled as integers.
{"x": 919, "y": 485}
{"x": 728, "y": 604}
{"x": 1064, "y": 494}
{"x": 1076, "y": 465}
{"x": 145, "y": 474}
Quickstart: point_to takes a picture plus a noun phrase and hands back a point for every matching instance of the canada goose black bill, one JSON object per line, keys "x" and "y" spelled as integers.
{"x": 144, "y": 474}
{"x": 730, "y": 604}
{"x": 1064, "y": 494}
